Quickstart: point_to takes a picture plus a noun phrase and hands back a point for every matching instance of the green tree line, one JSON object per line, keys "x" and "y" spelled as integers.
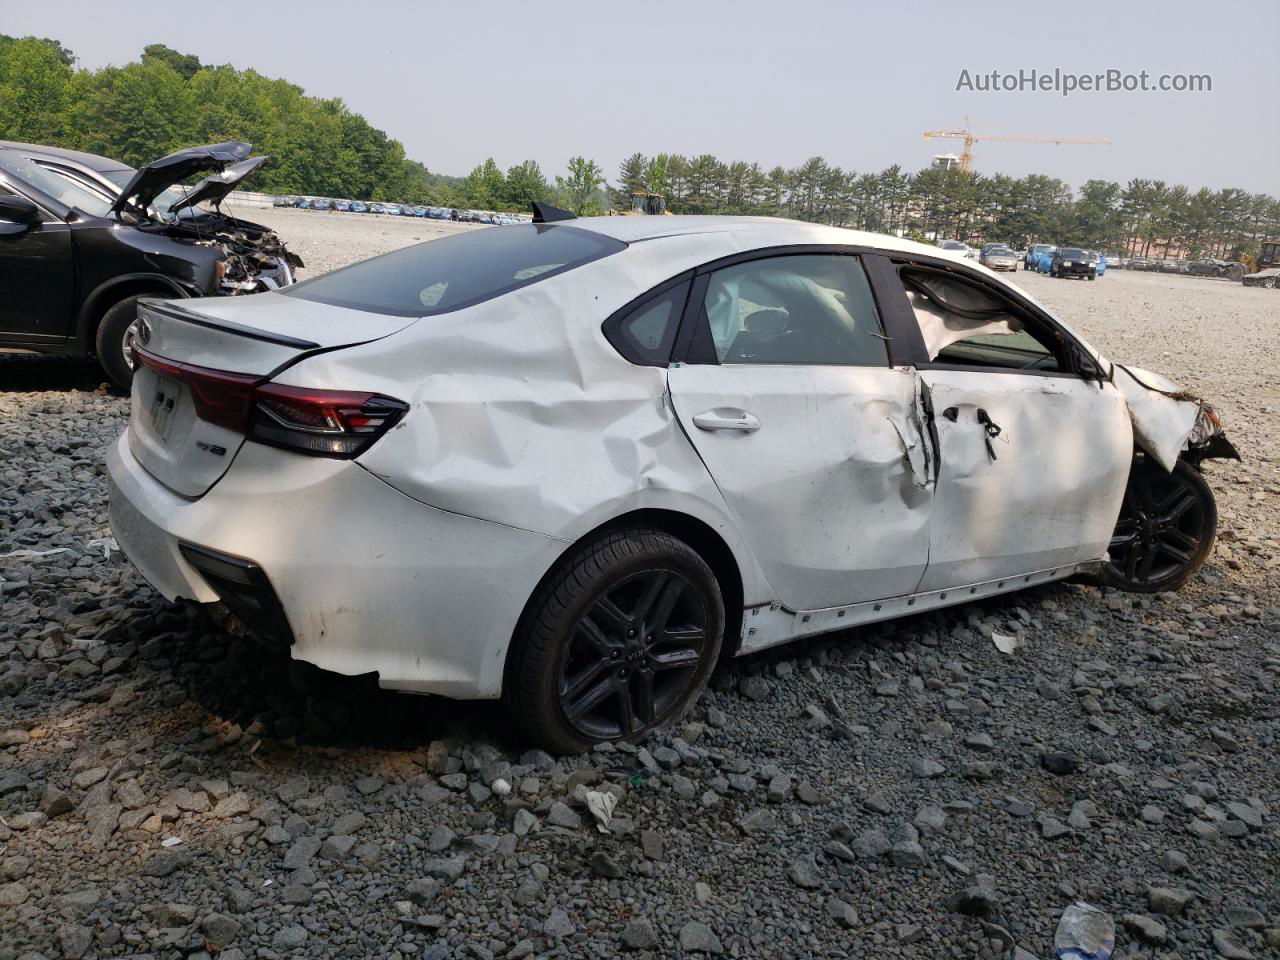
{"x": 166, "y": 100}
{"x": 1142, "y": 217}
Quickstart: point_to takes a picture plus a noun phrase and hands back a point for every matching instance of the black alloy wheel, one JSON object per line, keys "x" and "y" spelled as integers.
{"x": 619, "y": 641}
{"x": 1166, "y": 528}
{"x": 632, "y": 654}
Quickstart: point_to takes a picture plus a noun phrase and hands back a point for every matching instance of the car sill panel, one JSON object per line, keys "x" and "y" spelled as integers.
{"x": 771, "y": 624}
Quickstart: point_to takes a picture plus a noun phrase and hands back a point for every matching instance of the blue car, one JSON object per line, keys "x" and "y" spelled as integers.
{"x": 359, "y": 206}
{"x": 321, "y": 205}
{"x": 342, "y": 205}
{"x": 304, "y": 204}
{"x": 418, "y": 211}
{"x": 1033, "y": 255}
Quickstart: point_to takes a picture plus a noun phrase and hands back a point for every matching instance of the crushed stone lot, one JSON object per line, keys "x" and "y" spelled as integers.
{"x": 169, "y": 789}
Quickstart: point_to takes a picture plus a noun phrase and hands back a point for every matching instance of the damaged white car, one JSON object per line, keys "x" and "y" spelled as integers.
{"x": 567, "y": 463}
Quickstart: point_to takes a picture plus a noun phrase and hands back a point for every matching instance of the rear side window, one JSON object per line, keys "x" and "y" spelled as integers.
{"x": 645, "y": 333}
{"x": 457, "y": 271}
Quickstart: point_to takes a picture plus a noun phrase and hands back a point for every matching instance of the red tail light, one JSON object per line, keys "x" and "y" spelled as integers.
{"x": 327, "y": 423}
{"x": 324, "y": 423}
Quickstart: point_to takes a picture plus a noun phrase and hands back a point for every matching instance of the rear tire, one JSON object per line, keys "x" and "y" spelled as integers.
{"x": 112, "y": 341}
{"x": 617, "y": 643}
{"x": 1165, "y": 531}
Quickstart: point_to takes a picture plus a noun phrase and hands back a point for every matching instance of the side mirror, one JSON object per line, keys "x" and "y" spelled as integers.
{"x": 17, "y": 209}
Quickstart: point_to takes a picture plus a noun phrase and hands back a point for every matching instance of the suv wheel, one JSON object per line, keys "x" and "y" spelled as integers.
{"x": 618, "y": 643}
{"x": 114, "y": 341}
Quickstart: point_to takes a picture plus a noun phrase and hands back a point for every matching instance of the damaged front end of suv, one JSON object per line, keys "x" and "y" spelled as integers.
{"x": 87, "y": 237}
{"x": 252, "y": 258}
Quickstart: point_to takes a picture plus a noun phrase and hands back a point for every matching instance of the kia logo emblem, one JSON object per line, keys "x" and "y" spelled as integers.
{"x": 144, "y": 331}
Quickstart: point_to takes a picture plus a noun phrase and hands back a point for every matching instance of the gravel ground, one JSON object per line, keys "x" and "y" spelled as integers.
{"x": 167, "y": 789}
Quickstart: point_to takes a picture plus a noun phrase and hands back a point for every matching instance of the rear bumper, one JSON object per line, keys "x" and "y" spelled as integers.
{"x": 366, "y": 579}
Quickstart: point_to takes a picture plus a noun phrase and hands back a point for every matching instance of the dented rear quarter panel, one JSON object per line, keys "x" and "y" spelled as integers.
{"x": 523, "y": 414}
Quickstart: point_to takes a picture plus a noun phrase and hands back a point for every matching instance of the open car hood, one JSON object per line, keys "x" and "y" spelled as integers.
{"x": 160, "y": 174}
{"x": 216, "y": 187}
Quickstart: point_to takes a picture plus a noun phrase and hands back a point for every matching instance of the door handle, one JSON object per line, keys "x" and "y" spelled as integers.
{"x": 729, "y": 420}
{"x": 951, "y": 413}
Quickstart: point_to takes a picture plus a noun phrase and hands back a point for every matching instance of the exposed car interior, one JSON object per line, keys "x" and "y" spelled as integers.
{"x": 970, "y": 325}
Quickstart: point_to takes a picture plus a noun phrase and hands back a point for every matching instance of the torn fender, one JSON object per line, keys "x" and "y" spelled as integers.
{"x": 1163, "y": 416}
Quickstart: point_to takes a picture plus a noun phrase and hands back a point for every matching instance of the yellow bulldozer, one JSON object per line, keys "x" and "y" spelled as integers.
{"x": 1264, "y": 269}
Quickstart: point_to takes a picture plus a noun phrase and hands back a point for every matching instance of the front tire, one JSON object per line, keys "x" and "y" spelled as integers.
{"x": 1166, "y": 528}
{"x": 619, "y": 642}
{"x": 114, "y": 341}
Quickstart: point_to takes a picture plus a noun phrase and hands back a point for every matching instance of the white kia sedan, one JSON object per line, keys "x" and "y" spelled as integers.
{"x": 570, "y": 462}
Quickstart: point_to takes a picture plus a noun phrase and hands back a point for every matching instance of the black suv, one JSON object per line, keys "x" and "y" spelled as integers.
{"x": 83, "y": 238}
{"x": 1074, "y": 262}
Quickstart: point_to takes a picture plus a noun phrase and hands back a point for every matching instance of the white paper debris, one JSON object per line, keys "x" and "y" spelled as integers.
{"x": 601, "y": 806}
{"x": 1007, "y": 644}
{"x": 170, "y": 841}
{"x": 105, "y": 544}
{"x": 33, "y": 554}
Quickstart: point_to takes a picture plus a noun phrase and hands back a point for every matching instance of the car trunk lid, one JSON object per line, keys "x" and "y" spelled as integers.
{"x": 198, "y": 363}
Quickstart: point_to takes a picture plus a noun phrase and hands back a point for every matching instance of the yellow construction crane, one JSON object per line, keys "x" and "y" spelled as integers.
{"x": 970, "y": 138}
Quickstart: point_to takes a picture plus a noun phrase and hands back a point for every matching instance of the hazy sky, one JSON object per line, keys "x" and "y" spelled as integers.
{"x": 774, "y": 82}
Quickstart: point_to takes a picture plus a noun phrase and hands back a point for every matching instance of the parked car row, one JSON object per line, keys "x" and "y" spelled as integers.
{"x": 1204, "y": 267}
{"x": 400, "y": 210}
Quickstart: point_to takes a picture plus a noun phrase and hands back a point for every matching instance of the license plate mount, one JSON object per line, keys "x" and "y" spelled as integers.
{"x": 163, "y": 404}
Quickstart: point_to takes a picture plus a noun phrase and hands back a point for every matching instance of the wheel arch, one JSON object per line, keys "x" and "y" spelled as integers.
{"x": 110, "y": 292}
{"x": 698, "y": 534}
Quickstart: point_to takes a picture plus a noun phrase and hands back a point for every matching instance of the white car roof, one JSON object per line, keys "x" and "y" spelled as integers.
{"x": 769, "y": 231}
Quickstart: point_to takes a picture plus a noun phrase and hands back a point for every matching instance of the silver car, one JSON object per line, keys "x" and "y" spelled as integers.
{"x": 999, "y": 258}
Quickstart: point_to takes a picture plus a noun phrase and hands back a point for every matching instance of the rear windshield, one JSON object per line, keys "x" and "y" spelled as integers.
{"x": 457, "y": 271}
